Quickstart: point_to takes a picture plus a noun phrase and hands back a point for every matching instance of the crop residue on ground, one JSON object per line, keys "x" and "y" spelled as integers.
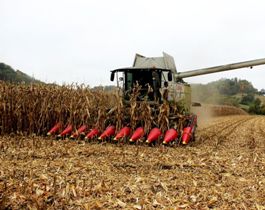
{"x": 221, "y": 170}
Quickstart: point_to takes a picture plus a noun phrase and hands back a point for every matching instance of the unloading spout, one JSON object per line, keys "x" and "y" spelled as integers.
{"x": 227, "y": 67}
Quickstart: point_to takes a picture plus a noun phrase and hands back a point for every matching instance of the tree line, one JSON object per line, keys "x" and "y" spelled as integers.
{"x": 7, "y": 73}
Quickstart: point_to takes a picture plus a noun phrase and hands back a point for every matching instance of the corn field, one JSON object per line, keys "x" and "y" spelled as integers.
{"x": 33, "y": 109}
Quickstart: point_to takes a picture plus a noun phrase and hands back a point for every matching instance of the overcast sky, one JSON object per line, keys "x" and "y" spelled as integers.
{"x": 81, "y": 40}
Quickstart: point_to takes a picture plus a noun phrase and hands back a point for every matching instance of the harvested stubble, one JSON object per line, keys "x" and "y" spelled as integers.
{"x": 224, "y": 171}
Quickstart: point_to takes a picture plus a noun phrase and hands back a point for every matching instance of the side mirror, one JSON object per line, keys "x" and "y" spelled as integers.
{"x": 169, "y": 76}
{"x": 112, "y": 75}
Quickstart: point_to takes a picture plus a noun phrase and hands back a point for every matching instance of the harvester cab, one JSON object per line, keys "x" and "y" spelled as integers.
{"x": 150, "y": 81}
{"x": 156, "y": 77}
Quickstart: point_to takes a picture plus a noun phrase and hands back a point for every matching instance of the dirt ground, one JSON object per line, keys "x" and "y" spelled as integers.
{"x": 223, "y": 169}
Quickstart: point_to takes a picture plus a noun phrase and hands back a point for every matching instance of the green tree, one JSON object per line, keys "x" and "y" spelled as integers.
{"x": 256, "y": 107}
{"x": 248, "y": 99}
